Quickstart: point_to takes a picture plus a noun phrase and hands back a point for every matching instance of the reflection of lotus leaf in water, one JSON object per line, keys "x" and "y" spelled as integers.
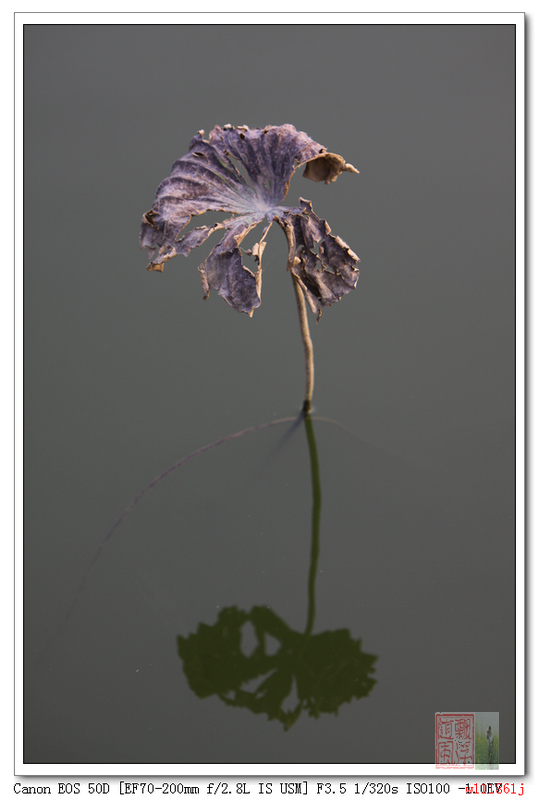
{"x": 328, "y": 668}
{"x": 325, "y": 669}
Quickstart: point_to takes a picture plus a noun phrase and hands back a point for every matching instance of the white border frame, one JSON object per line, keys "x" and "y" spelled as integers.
{"x": 289, "y": 18}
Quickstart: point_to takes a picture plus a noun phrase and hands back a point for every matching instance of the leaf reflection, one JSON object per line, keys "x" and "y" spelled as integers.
{"x": 323, "y": 670}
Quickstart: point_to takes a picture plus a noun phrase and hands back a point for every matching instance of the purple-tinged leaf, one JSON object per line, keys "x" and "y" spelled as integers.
{"x": 246, "y": 173}
{"x": 324, "y": 265}
{"x": 224, "y": 271}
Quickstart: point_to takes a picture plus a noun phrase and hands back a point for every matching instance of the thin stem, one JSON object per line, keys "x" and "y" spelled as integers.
{"x": 302, "y": 313}
{"x": 307, "y": 345}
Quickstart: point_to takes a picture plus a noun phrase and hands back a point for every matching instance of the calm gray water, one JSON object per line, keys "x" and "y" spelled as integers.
{"x": 127, "y": 371}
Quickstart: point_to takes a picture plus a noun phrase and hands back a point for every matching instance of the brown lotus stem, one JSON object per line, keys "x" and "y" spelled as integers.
{"x": 302, "y": 313}
{"x": 307, "y": 345}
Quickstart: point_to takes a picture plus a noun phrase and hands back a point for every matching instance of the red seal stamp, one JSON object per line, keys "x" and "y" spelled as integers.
{"x": 455, "y": 741}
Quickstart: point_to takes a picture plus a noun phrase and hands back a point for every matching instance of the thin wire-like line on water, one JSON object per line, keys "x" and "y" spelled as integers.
{"x": 143, "y": 492}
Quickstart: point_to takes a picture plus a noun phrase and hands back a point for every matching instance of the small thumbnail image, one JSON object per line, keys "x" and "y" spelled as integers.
{"x": 487, "y": 740}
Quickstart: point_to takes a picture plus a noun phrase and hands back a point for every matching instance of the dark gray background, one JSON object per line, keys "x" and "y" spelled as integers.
{"x": 126, "y": 371}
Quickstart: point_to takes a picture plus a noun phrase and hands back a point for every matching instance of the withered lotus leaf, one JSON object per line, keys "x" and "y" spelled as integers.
{"x": 246, "y": 173}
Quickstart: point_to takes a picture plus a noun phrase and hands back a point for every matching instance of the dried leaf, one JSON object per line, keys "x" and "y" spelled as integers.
{"x": 325, "y": 265}
{"x": 246, "y": 173}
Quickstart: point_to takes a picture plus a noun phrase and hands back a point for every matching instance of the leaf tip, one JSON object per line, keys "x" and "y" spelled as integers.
{"x": 327, "y": 167}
